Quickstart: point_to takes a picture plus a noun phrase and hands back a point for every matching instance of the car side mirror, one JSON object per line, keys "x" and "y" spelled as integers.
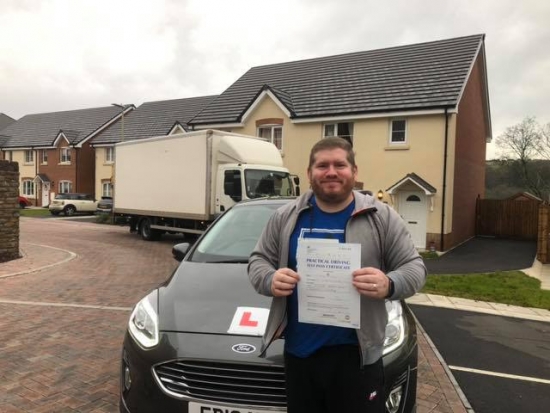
{"x": 179, "y": 251}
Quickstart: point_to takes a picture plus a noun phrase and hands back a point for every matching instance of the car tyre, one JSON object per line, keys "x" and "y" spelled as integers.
{"x": 22, "y": 205}
{"x": 147, "y": 233}
{"x": 56, "y": 213}
{"x": 69, "y": 210}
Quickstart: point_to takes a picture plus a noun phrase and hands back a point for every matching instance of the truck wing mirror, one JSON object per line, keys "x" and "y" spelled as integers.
{"x": 296, "y": 180}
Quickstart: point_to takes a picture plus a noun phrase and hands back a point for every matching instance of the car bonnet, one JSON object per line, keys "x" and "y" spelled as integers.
{"x": 204, "y": 298}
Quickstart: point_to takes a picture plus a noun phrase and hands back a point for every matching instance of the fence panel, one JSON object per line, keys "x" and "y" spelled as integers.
{"x": 507, "y": 219}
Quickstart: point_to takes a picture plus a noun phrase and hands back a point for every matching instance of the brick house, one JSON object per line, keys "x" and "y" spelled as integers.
{"x": 53, "y": 150}
{"x": 418, "y": 117}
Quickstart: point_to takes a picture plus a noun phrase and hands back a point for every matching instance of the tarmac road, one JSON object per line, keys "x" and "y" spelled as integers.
{"x": 485, "y": 255}
{"x": 510, "y": 358}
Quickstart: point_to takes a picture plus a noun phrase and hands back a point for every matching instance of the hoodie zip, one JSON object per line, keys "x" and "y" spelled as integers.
{"x": 278, "y": 333}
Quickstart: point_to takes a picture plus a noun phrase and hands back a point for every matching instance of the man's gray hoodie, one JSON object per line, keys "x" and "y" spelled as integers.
{"x": 385, "y": 244}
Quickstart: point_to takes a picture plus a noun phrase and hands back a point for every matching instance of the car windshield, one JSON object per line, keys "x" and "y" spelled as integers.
{"x": 233, "y": 237}
{"x": 260, "y": 183}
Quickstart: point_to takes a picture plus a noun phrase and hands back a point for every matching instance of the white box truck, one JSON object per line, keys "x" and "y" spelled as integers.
{"x": 181, "y": 182}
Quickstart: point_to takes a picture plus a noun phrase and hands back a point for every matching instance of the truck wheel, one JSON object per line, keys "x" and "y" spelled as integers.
{"x": 146, "y": 232}
{"x": 69, "y": 210}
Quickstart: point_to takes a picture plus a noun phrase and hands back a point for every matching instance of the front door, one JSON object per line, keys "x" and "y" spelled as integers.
{"x": 45, "y": 193}
{"x": 413, "y": 209}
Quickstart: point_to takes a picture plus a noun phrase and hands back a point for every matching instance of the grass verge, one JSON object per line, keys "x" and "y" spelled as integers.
{"x": 509, "y": 287}
{"x": 34, "y": 212}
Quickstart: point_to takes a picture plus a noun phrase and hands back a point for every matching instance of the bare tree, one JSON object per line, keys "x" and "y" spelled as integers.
{"x": 544, "y": 147}
{"x": 522, "y": 144}
{"x": 521, "y": 141}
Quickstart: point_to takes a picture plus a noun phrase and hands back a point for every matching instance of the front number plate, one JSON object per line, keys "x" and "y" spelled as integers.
{"x": 209, "y": 408}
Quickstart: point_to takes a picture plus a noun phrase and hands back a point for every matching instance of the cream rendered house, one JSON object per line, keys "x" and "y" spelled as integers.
{"x": 418, "y": 117}
{"x": 157, "y": 118}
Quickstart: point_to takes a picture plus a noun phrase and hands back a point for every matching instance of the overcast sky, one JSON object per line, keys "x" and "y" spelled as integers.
{"x": 72, "y": 54}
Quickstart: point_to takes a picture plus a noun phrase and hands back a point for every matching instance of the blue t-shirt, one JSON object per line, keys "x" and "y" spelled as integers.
{"x": 304, "y": 339}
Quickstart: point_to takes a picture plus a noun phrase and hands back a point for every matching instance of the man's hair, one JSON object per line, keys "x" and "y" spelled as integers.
{"x": 332, "y": 143}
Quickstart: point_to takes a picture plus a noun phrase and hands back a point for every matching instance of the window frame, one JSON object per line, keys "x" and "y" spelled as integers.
{"x": 29, "y": 156}
{"x": 44, "y": 157}
{"x": 109, "y": 157}
{"x": 272, "y": 127}
{"x": 109, "y": 185}
{"x": 351, "y": 128}
{"x": 404, "y": 131}
{"x": 61, "y": 187}
{"x": 24, "y": 187}
{"x": 65, "y": 155}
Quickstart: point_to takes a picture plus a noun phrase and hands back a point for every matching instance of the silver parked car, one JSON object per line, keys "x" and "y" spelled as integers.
{"x": 105, "y": 205}
{"x": 72, "y": 203}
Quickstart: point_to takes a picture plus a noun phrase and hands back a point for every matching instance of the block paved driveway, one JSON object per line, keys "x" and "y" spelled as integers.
{"x": 62, "y": 327}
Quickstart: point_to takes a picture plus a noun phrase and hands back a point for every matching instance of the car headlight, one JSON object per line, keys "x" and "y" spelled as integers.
{"x": 395, "y": 329}
{"x": 143, "y": 324}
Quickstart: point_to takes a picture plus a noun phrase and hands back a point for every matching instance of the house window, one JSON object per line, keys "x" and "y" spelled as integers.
{"x": 341, "y": 130}
{"x": 106, "y": 188}
{"x": 398, "y": 132}
{"x": 65, "y": 155}
{"x": 28, "y": 187}
{"x": 109, "y": 155}
{"x": 65, "y": 187}
{"x": 44, "y": 156}
{"x": 273, "y": 133}
{"x": 29, "y": 156}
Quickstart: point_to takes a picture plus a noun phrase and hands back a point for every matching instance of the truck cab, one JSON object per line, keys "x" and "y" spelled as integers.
{"x": 237, "y": 182}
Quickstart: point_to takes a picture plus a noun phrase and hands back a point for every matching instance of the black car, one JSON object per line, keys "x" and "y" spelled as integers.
{"x": 187, "y": 348}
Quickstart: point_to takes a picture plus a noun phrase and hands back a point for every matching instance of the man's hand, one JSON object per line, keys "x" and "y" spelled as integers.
{"x": 371, "y": 282}
{"x": 284, "y": 281}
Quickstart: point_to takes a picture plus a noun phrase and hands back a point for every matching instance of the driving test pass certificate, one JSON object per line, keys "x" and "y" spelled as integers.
{"x": 326, "y": 294}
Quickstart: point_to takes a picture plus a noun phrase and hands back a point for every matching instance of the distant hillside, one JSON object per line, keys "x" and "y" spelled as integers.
{"x": 506, "y": 178}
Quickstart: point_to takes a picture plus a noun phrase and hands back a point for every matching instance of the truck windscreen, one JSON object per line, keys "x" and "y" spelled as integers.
{"x": 261, "y": 183}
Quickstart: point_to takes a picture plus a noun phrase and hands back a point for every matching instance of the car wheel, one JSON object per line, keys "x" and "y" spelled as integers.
{"x": 56, "y": 213}
{"x": 69, "y": 210}
{"x": 146, "y": 232}
{"x": 22, "y": 205}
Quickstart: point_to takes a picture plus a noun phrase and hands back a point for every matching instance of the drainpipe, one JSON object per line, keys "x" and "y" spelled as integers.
{"x": 76, "y": 188}
{"x": 36, "y": 171}
{"x": 444, "y": 191}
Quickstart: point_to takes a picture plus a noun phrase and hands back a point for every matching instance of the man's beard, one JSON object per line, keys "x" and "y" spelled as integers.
{"x": 333, "y": 197}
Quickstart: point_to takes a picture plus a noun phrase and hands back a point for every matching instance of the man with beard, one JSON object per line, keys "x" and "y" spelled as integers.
{"x": 335, "y": 369}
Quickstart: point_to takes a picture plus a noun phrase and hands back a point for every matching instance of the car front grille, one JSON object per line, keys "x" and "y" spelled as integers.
{"x": 249, "y": 384}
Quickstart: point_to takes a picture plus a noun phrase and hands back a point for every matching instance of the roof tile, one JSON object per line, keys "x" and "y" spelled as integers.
{"x": 417, "y": 76}
{"x": 153, "y": 119}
